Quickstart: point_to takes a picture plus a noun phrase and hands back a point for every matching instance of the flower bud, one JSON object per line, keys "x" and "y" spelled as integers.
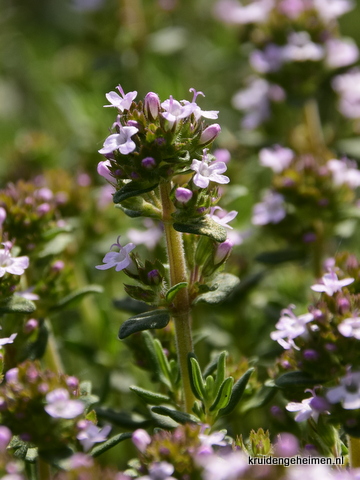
{"x": 149, "y": 163}
{"x": 154, "y": 277}
{"x": 141, "y": 439}
{"x": 209, "y": 134}
{"x": 183, "y": 195}
{"x": 152, "y": 105}
{"x": 12, "y": 375}
{"x": 222, "y": 252}
{"x": 31, "y": 325}
{"x": 43, "y": 209}
{"x": 5, "y": 437}
{"x": 2, "y": 216}
{"x": 103, "y": 170}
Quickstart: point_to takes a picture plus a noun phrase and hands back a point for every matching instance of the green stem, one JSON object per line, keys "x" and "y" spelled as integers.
{"x": 354, "y": 451}
{"x": 181, "y": 311}
{"x": 44, "y": 470}
{"x": 318, "y": 249}
{"x": 52, "y": 356}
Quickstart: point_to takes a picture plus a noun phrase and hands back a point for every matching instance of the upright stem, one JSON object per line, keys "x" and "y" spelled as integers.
{"x": 44, "y": 470}
{"x": 181, "y": 311}
{"x": 354, "y": 451}
{"x": 52, "y": 356}
{"x": 314, "y": 128}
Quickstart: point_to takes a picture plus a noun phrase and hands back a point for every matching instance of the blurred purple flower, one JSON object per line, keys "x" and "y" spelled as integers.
{"x": 120, "y": 141}
{"x": 222, "y": 155}
{"x": 196, "y": 110}
{"x": 301, "y": 49}
{"x": 350, "y": 327}
{"x": 348, "y": 392}
{"x": 232, "y": 11}
{"x": 344, "y": 172}
{"x": 141, "y": 439}
{"x": 92, "y": 434}
{"x": 287, "y": 445}
{"x": 61, "y": 406}
{"x": 122, "y": 101}
{"x": 292, "y": 8}
{"x": 9, "y": 264}
{"x": 331, "y": 284}
{"x": 206, "y": 172}
{"x": 331, "y": 9}
{"x": 270, "y": 210}
{"x": 304, "y": 409}
{"x": 227, "y": 467}
{"x": 268, "y": 60}
{"x": 104, "y": 171}
{"x": 277, "y": 158}
{"x": 149, "y": 237}
{"x": 341, "y": 52}
{"x": 120, "y": 259}
{"x": 347, "y": 86}
{"x": 5, "y": 437}
{"x": 289, "y": 327}
{"x": 7, "y": 340}
{"x": 224, "y": 217}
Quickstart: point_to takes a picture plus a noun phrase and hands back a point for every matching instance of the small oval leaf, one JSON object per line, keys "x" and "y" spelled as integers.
{"x": 144, "y": 321}
{"x": 77, "y": 295}
{"x": 237, "y": 392}
{"x": 96, "y": 451}
{"x": 223, "y": 396}
{"x": 172, "y": 292}
{"x": 152, "y": 398}
{"x": 196, "y": 379}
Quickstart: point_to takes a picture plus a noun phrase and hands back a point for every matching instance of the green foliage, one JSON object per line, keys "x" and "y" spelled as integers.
{"x": 16, "y": 304}
{"x": 220, "y": 288}
{"x": 144, "y": 321}
{"x": 203, "y": 226}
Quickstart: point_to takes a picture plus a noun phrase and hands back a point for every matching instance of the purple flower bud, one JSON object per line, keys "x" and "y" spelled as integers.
{"x": 134, "y": 175}
{"x": 311, "y": 355}
{"x": 5, "y": 437}
{"x": 222, "y": 252}
{"x": 343, "y": 305}
{"x": 287, "y": 445}
{"x": 160, "y": 141}
{"x": 209, "y": 134}
{"x": 43, "y": 388}
{"x": 309, "y": 237}
{"x": 43, "y": 209}
{"x": 154, "y": 277}
{"x": 31, "y": 325}
{"x": 2, "y": 216}
{"x": 149, "y": 163}
{"x": 103, "y": 170}
{"x": 152, "y": 105}
{"x": 183, "y": 195}
{"x": 83, "y": 180}
{"x": 58, "y": 266}
{"x": 72, "y": 383}
{"x": 133, "y": 123}
{"x": 12, "y": 375}
{"x": 141, "y": 439}
{"x": 330, "y": 347}
{"x": 44, "y": 194}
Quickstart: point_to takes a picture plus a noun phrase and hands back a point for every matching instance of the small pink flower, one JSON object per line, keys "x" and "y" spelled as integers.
{"x": 206, "y": 172}
{"x": 331, "y": 284}
{"x": 122, "y": 101}
{"x": 120, "y": 259}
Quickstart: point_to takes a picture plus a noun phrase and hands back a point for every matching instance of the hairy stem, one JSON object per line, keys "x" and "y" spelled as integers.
{"x": 181, "y": 310}
{"x": 354, "y": 451}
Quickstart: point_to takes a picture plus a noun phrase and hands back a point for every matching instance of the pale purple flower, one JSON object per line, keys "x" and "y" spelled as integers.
{"x": 120, "y": 259}
{"x": 224, "y": 217}
{"x": 292, "y": 8}
{"x": 196, "y": 110}
{"x": 232, "y": 11}
{"x": 287, "y": 445}
{"x": 304, "y": 410}
{"x": 122, "y": 101}
{"x": 310, "y": 472}
{"x": 12, "y": 375}
{"x": 331, "y": 284}
{"x": 270, "y": 210}
{"x": 207, "y": 441}
{"x": 277, "y": 158}
{"x": 92, "y": 434}
{"x": 149, "y": 237}
{"x": 174, "y": 111}
{"x": 104, "y": 171}
{"x": 348, "y": 392}
{"x": 31, "y": 325}
{"x": 79, "y": 460}
{"x": 268, "y": 60}
{"x": 347, "y": 86}
{"x": 341, "y": 52}
{"x": 254, "y": 101}
{"x": 141, "y": 439}
{"x": 159, "y": 471}
{"x": 44, "y": 193}
{"x": 61, "y": 406}
{"x": 7, "y": 340}
{"x": 152, "y": 105}
{"x": 28, "y": 294}
{"x": 331, "y": 9}
{"x": 13, "y": 265}
{"x": 344, "y": 172}
{"x": 2, "y": 216}
{"x": 350, "y": 327}
{"x": 227, "y": 467}
{"x": 289, "y": 327}
{"x": 206, "y": 172}
{"x": 120, "y": 141}
{"x": 300, "y": 48}
{"x": 5, "y": 437}
{"x": 222, "y": 155}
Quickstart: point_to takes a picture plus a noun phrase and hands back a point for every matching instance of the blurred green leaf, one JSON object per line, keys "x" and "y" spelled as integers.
{"x": 179, "y": 417}
{"x": 296, "y": 379}
{"x": 224, "y": 283}
{"x": 280, "y": 256}
{"x": 144, "y": 321}
{"x": 112, "y": 442}
{"x": 203, "y": 226}
{"x": 152, "y": 398}
{"x": 132, "y": 189}
{"x": 16, "y": 304}
{"x": 77, "y": 296}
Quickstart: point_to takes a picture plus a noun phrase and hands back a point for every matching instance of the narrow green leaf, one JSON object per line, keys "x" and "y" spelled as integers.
{"x": 221, "y": 370}
{"x": 95, "y": 452}
{"x": 224, "y": 284}
{"x": 144, "y": 321}
{"x": 77, "y": 295}
{"x": 130, "y": 305}
{"x": 210, "y": 387}
{"x": 172, "y": 292}
{"x": 149, "y": 342}
{"x": 237, "y": 392}
{"x": 16, "y": 304}
{"x": 203, "y": 226}
{"x": 223, "y": 396}
{"x": 179, "y": 417}
{"x": 296, "y": 379}
{"x": 122, "y": 419}
{"x": 280, "y": 256}
{"x": 212, "y": 365}
{"x": 149, "y": 397}
{"x": 132, "y": 189}
{"x": 196, "y": 379}
{"x": 163, "y": 362}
